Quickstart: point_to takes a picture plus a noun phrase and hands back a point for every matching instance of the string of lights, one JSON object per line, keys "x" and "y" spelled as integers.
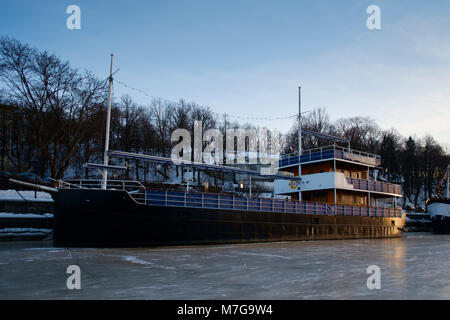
{"x": 261, "y": 118}
{"x": 218, "y": 114}
{"x": 139, "y": 90}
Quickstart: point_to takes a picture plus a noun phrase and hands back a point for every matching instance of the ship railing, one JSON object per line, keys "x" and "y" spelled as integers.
{"x": 329, "y": 152}
{"x": 225, "y": 202}
{"x": 134, "y": 188}
{"x": 61, "y": 184}
{"x": 126, "y": 185}
{"x": 375, "y": 186}
{"x": 365, "y": 211}
{"x": 138, "y": 196}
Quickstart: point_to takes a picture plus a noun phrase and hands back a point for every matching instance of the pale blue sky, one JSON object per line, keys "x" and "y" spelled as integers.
{"x": 247, "y": 57}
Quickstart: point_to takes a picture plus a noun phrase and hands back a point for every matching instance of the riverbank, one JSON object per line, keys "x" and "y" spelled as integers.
{"x": 25, "y": 215}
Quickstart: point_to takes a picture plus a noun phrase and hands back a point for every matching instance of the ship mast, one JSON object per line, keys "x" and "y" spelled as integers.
{"x": 108, "y": 120}
{"x": 448, "y": 180}
{"x": 299, "y": 137}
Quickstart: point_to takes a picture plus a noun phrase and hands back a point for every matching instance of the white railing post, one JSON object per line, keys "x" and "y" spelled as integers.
{"x": 166, "y": 198}
{"x": 202, "y": 200}
{"x": 185, "y": 199}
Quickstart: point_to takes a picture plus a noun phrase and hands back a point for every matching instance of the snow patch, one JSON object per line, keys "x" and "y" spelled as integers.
{"x": 12, "y": 194}
{"x": 265, "y": 255}
{"x": 136, "y": 260}
{"x": 133, "y": 259}
{"x": 25, "y": 230}
{"x": 417, "y": 220}
{"x": 44, "y": 248}
{"x": 25, "y": 215}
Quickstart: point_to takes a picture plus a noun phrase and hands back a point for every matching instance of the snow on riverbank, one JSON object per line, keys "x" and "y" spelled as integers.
{"x": 27, "y": 195}
{"x": 417, "y": 220}
{"x": 24, "y": 231}
{"x": 25, "y": 215}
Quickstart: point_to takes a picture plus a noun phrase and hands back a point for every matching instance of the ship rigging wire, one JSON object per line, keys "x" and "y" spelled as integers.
{"x": 216, "y": 113}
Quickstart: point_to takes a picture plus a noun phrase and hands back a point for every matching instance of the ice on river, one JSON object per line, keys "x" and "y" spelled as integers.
{"x": 413, "y": 267}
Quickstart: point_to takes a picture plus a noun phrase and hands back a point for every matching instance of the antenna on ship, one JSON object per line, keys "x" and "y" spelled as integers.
{"x": 108, "y": 120}
{"x": 299, "y": 137}
{"x": 448, "y": 180}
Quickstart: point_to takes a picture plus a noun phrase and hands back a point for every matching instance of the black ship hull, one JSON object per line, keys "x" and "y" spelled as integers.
{"x": 439, "y": 210}
{"x": 441, "y": 224}
{"x": 113, "y": 218}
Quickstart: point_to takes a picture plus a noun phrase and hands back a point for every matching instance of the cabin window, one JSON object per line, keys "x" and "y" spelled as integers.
{"x": 354, "y": 199}
{"x": 339, "y": 197}
{"x": 320, "y": 197}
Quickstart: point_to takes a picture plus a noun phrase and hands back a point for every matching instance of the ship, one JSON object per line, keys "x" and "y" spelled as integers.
{"x": 331, "y": 197}
{"x": 439, "y": 206}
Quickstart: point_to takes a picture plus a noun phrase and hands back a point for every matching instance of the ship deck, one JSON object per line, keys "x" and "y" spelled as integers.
{"x": 226, "y": 202}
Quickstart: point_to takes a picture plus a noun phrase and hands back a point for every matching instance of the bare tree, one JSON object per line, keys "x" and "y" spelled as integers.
{"x": 317, "y": 121}
{"x": 57, "y": 101}
{"x": 364, "y": 134}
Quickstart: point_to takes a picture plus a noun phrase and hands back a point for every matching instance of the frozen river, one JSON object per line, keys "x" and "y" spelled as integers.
{"x": 413, "y": 267}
